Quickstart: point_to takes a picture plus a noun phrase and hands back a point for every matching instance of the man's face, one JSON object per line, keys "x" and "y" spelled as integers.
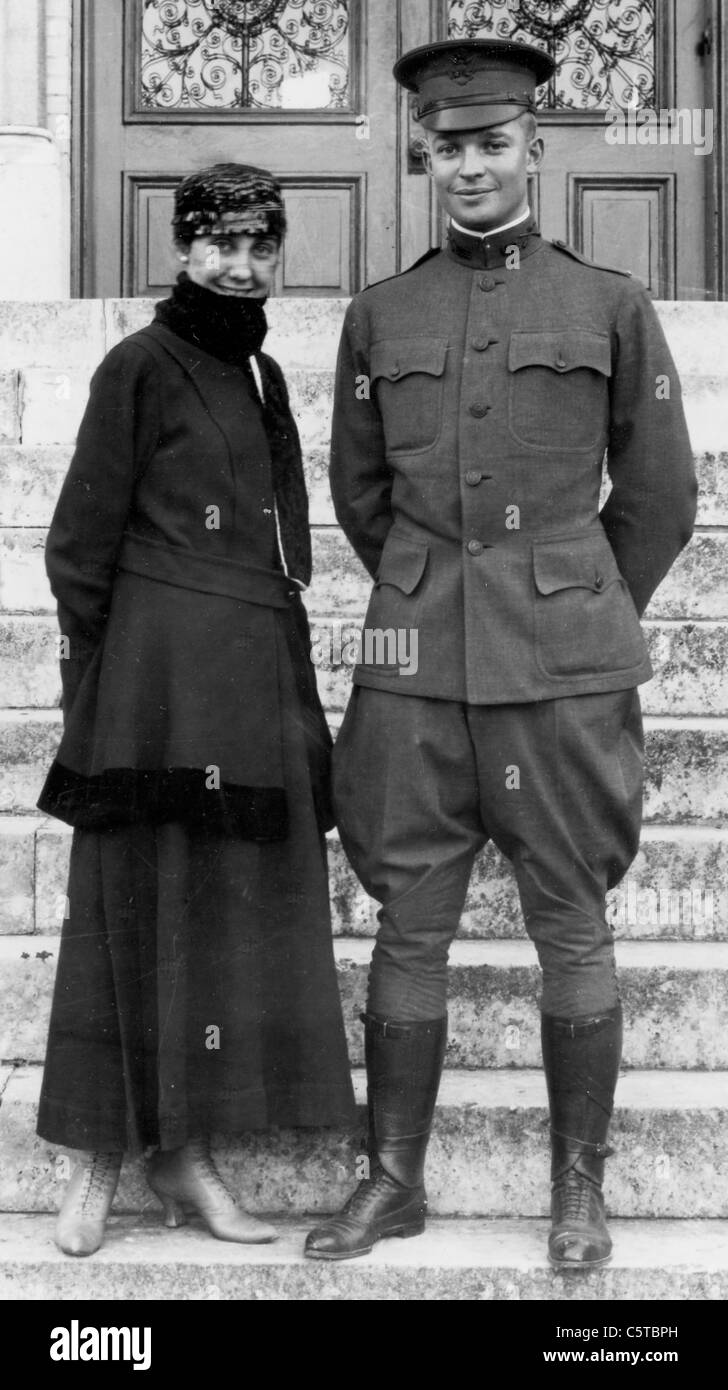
{"x": 481, "y": 176}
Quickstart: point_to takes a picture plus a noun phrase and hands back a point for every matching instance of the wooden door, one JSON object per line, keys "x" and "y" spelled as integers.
{"x": 305, "y": 88}
{"x": 302, "y": 87}
{"x": 634, "y": 190}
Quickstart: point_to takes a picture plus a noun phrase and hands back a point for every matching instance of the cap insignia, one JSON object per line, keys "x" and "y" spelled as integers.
{"x": 461, "y": 68}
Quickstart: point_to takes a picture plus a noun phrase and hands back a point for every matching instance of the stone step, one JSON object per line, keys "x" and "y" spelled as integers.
{"x": 694, "y": 589}
{"x": 455, "y": 1260}
{"x": 47, "y": 355}
{"x": 686, "y": 765}
{"x": 74, "y": 335}
{"x": 712, "y": 471}
{"x": 687, "y": 865}
{"x": 65, "y": 333}
{"x": 10, "y": 406}
{"x": 302, "y": 331}
{"x": 675, "y": 997}
{"x": 488, "y": 1155}
{"x": 706, "y": 410}
{"x": 675, "y": 889}
{"x": 20, "y": 881}
{"x": 45, "y": 404}
{"x": 690, "y": 661}
{"x": 31, "y": 476}
{"x": 694, "y": 334}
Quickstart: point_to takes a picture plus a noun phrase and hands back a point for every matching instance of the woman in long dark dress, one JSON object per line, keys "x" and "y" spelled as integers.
{"x": 196, "y": 989}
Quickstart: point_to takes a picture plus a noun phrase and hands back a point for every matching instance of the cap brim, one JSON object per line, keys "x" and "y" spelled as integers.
{"x": 535, "y": 60}
{"x": 471, "y": 117}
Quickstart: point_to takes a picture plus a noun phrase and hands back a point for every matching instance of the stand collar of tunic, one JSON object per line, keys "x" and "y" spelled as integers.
{"x": 490, "y": 250}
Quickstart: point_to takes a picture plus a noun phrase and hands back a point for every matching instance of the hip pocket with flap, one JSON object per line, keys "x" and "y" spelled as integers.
{"x": 585, "y": 620}
{"x": 402, "y": 563}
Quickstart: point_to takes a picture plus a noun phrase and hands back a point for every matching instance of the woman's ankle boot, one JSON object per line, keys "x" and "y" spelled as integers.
{"x": 87, "y": 1202}
{"x": 581, "y": 1062}
{"x": 404, "y": 1065}
{"x": 186, "y": 1180}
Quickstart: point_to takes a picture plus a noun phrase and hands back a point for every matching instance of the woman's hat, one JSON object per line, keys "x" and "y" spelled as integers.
{"x": 465, "y": 84}
{"x": 229, "y": 199}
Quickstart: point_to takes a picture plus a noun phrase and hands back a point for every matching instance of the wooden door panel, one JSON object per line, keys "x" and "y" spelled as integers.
{"x": 627, "y": 222}
{"x": 150, "y": 262}
{"x": 321, "y": 255}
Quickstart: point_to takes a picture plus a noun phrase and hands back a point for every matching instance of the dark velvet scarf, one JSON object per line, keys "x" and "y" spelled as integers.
{"x": 234, "y": 330}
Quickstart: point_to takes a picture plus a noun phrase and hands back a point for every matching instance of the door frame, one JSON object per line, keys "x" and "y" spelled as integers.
{"x": 79, "y": 145}
{"x": 717, "y": 94}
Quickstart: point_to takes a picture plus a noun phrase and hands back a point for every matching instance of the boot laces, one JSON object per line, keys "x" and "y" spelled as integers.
{"x": 577, "y": 1198}
{"x": 366, "y": 1195}
{"x": 202, "y": 1157}
{"x": 96, "y": 1178}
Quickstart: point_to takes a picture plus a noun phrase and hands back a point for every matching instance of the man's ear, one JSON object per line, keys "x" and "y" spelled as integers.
{"x": 534, "y": 158}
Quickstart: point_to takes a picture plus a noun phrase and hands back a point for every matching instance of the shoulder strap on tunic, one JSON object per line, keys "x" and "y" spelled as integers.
{"x": 433, "y": 251}
{"x": 584, "y": 260}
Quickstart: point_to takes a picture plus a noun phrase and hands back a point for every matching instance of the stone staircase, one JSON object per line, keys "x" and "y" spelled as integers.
{"x": 488, "y": 1169}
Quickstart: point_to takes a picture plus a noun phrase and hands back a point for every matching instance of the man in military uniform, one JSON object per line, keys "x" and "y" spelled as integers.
{"x": 476, "y": 396}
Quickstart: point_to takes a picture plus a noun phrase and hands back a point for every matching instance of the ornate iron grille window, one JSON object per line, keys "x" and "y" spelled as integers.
{"x": 605, "y": 49}
{"x": 232, "y": 55}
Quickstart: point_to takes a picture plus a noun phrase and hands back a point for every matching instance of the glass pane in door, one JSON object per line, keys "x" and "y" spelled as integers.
{"x": 604, "y": 49}
{"x": 238, "y": 55}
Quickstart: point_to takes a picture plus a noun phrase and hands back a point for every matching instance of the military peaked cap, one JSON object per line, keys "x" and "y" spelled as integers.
{"x": 470, "y": 83}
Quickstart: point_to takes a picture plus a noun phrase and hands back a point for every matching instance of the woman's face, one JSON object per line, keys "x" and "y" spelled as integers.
{"x": 237, "y": 264}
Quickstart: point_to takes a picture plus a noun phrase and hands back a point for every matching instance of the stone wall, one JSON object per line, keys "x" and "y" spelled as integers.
{"x": 35, "y": 149}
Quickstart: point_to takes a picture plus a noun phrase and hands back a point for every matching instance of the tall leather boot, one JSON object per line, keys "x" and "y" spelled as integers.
{"x": 404, "y": 1065}
{"x": 581, "y": 1062}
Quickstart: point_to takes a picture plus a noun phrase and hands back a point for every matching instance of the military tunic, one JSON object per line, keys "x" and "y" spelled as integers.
{"x": 476, "y": 397}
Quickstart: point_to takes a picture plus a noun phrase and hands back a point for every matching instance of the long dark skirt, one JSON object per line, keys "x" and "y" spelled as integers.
{"x": 196, "y": 989}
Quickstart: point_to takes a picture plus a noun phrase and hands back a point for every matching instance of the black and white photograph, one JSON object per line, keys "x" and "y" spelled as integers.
{"x": 364, "y": 622}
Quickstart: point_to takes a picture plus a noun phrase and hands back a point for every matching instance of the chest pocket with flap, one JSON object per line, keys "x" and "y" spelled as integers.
{"x": 407, "y": 381}
{"x": 558, "y": 392}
